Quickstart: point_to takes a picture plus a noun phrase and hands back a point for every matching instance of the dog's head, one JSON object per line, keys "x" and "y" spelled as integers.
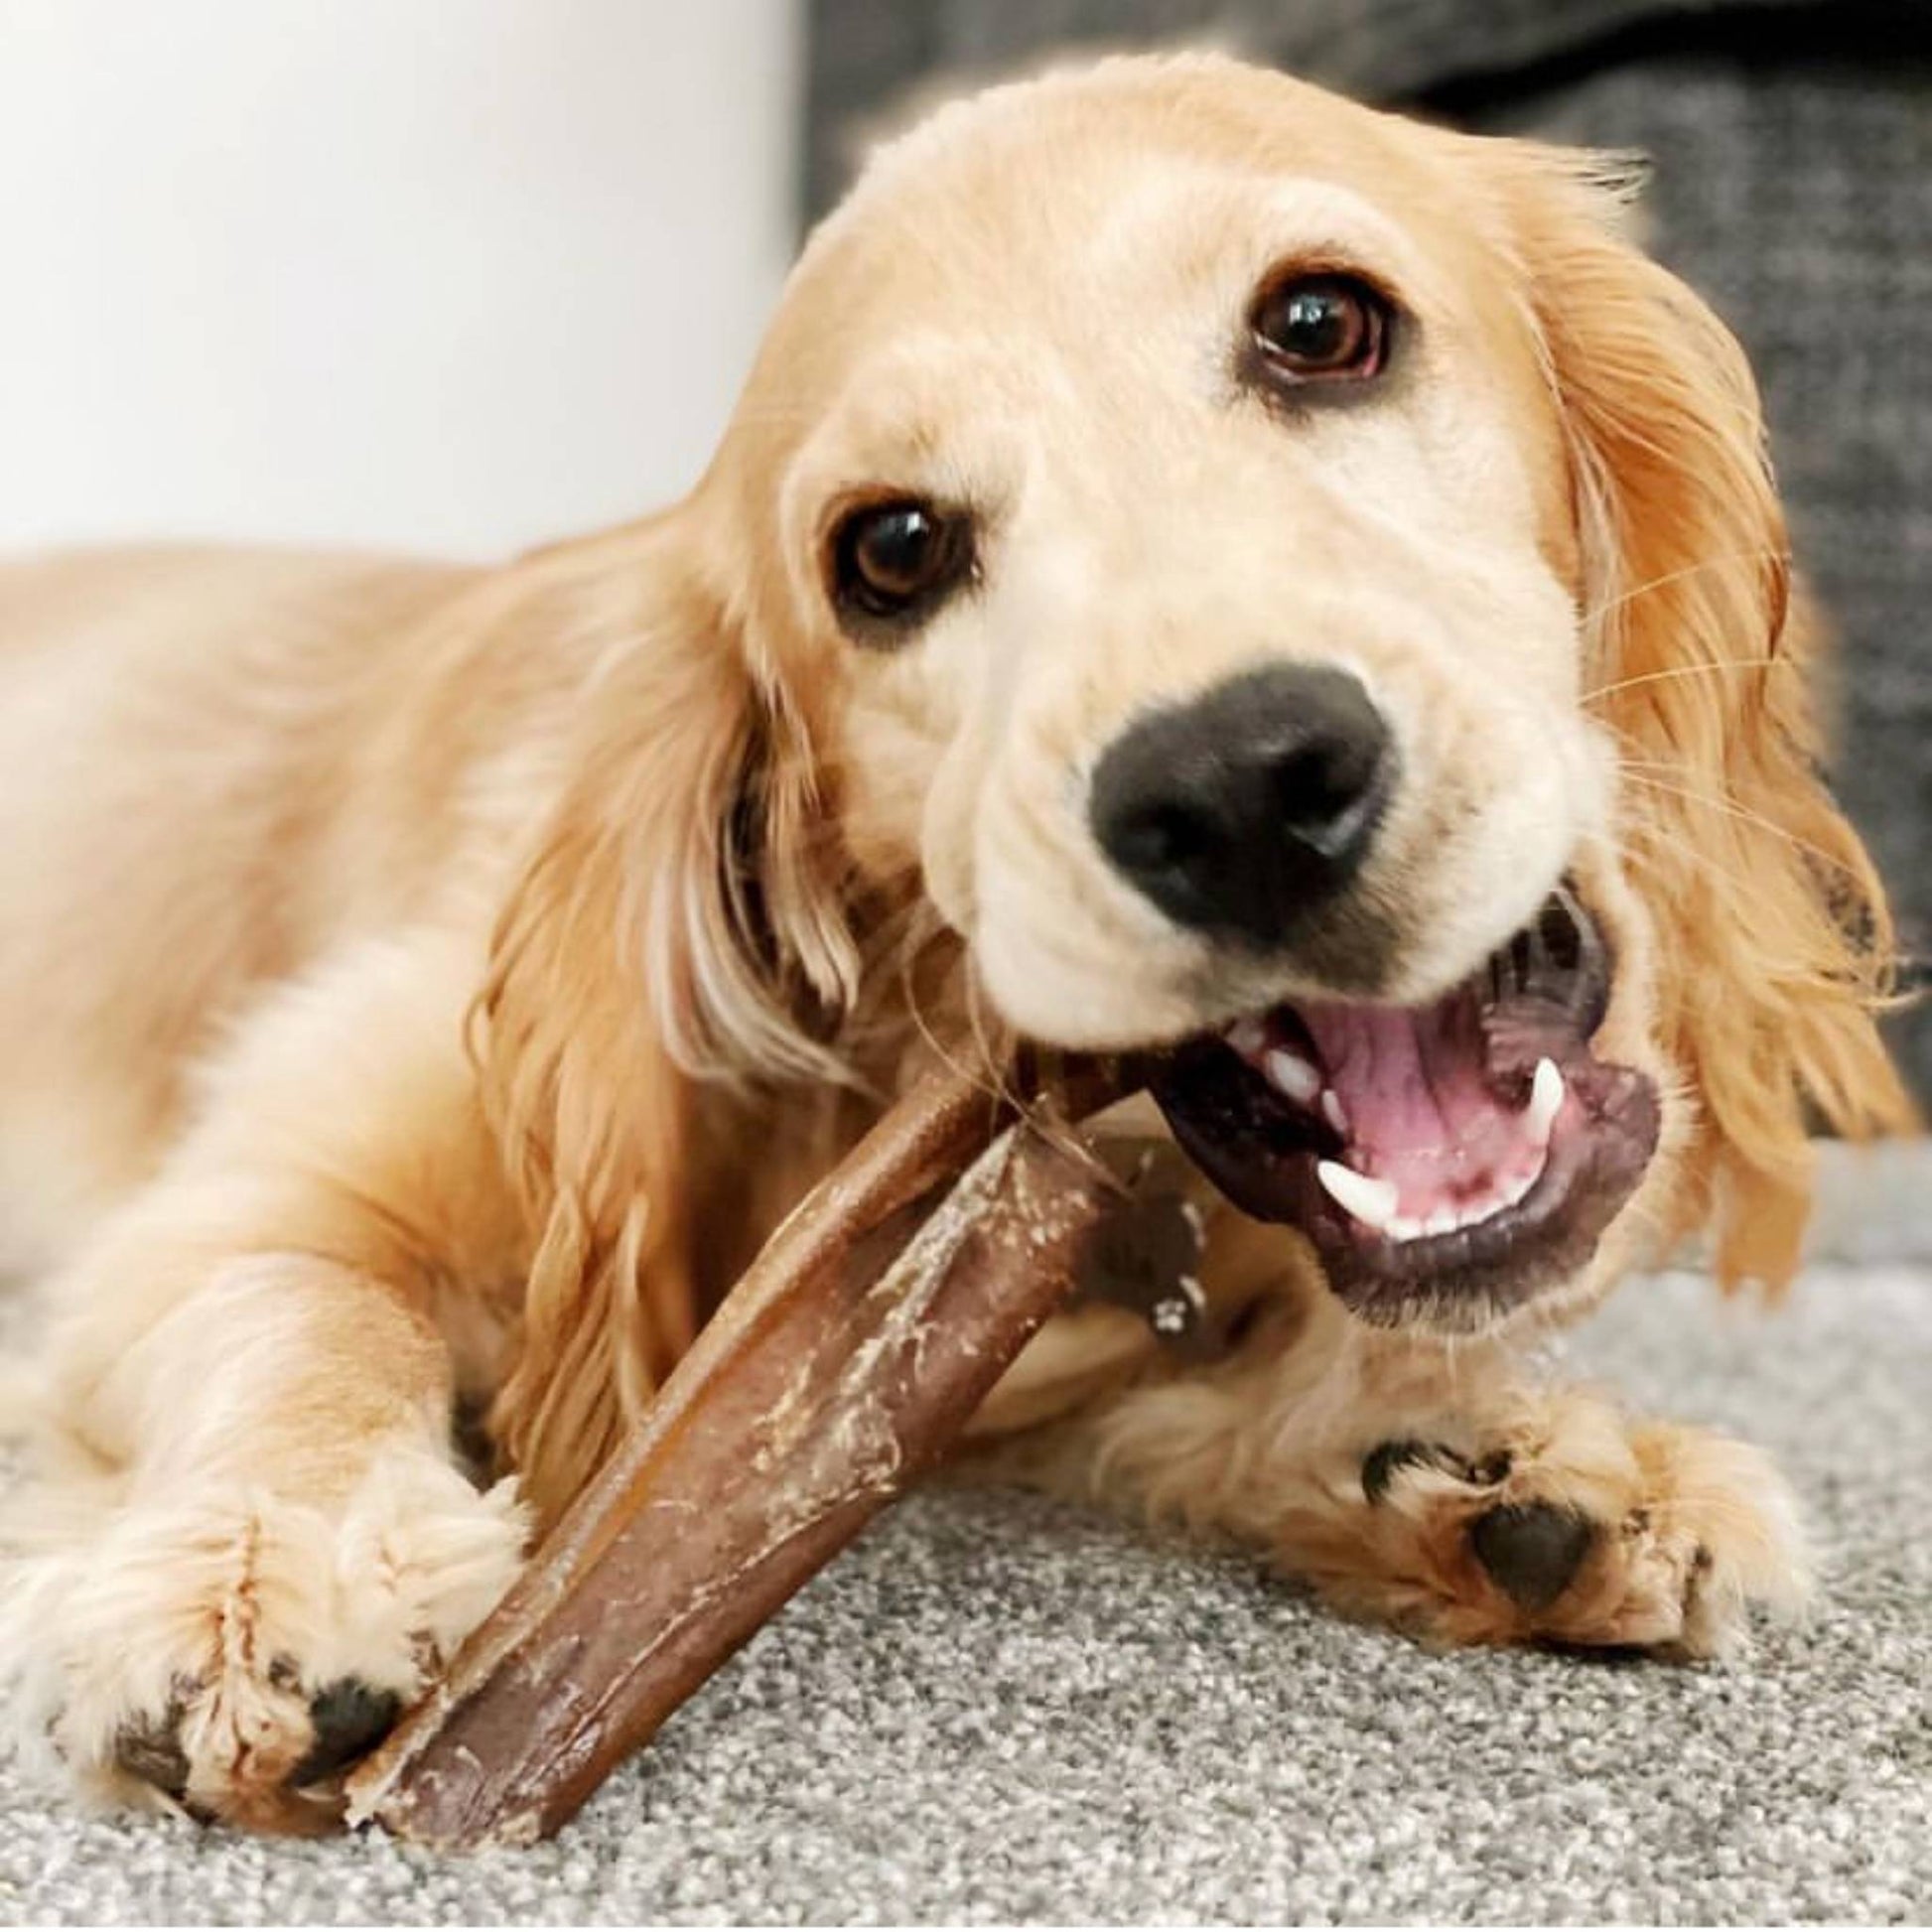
{"x": 1300, "y": 592}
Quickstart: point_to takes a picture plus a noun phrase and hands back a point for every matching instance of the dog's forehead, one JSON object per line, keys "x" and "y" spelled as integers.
{"x": 1026, "y": 184}
{"x": 1056, "y": 138}
{"x": 1145, "y": 182}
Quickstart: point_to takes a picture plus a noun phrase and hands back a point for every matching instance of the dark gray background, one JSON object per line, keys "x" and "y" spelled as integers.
{"x": 1793, "y": 185}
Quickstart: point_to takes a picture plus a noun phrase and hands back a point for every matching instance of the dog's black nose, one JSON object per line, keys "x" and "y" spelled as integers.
{"x": 1242, "y": 811}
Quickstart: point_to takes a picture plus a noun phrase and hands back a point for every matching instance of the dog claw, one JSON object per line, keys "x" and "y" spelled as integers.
{"x": 350, "y": 1719}
{"x": 1383, "y": 1463}
{"x": 1532, "y": 1550}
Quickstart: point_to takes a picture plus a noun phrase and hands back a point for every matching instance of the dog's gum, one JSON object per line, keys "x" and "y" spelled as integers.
{"x": 849, "y": 1356}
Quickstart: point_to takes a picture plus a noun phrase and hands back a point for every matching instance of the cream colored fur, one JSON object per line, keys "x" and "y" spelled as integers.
{"x": 421, "y": 983}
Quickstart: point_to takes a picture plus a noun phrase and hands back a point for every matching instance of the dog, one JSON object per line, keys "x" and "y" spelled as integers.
{"x": 1198, "y": 567}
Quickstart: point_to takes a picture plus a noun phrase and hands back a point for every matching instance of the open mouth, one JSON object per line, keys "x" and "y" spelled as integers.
{"x": 1449, "y": 1161}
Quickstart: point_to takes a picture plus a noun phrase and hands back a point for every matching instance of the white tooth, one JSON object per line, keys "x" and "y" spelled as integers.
{"x": 1292, "y": 1076}
{"x": 1247, "y": 1037}
{"x": 1331, "y": 1111}
{"x": 1372, "y": 1202}
{"x": 1445, "y": 1221}
{"x": 1403, "y": 1227}
{"x": 1545, "y": 1099}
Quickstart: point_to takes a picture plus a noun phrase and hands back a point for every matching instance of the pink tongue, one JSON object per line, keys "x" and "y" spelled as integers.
{"x": 1411, "y": 1087}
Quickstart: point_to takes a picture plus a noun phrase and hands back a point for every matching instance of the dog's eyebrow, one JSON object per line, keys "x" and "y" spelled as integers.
{"x": 1235, "y": 223}
{"x": 900, "y": 426}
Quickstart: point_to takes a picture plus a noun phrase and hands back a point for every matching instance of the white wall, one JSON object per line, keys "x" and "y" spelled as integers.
{"x": 445, "y": 274}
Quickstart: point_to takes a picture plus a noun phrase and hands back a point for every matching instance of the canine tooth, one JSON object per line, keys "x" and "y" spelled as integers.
{"x": 1372, "y": 1202}
{"x": 1292, "y": 1076}
{"x": 1545, "y": 1099}
{"x": 1331, "y": 1111}
{"x": 1247, "y": 1037}
{"x": 1405, "y": 1227}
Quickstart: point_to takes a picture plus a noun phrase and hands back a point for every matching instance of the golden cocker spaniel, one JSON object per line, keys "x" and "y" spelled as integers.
{"x": 1198, "y": 567}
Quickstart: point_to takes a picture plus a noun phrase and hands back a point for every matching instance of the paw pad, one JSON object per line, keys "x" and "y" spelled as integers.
{"x": 348, "y": 1718}
{"x": 1532, "y": 1550}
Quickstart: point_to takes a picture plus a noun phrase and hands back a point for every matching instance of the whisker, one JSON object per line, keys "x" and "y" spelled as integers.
{"x": 1648, "y": 862}
{"x": 991, "y": 1076}
{"x": 986, "y": 1077}
{"x": 1721, "y": 561}
{"x": 1684, "y": 670}
{"x": 1635, "y": 770}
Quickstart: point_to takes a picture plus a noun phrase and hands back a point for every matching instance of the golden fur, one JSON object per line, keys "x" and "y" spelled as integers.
{"x": 422, "y": 984}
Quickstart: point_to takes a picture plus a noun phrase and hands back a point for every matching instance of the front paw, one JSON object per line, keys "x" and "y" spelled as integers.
{"x": 233, "y": 1652}
{"x": 1570, "y": 1525}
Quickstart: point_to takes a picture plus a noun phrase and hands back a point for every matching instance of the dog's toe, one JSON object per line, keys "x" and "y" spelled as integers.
{"x": 350, "y": 1718}
{"x": 1532, "y": 1550}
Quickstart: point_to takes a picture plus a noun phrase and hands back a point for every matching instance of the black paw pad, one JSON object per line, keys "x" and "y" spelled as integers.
{"x": 350, "y": 1717}
{"x": 1532, "y": 1550}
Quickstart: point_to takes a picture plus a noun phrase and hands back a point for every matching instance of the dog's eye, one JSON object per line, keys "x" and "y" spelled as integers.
{"x": 1319, "y": 328}
{"x": 895, "y": 560}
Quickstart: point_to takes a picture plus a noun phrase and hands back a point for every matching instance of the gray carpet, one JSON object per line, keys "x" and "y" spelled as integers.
{"x": 999, "y": 1709}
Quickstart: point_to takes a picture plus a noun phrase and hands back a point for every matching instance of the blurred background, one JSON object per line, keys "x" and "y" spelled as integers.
{"x": 461, "y": 277}
{"x": 454, "y": 275}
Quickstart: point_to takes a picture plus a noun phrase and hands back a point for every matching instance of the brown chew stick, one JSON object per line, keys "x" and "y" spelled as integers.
{"x": 845, "y": 1360}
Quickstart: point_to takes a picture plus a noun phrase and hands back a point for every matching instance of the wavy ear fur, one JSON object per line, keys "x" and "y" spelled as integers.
{"x": 659, "y": 946}
{"x": 1776, "y": 945}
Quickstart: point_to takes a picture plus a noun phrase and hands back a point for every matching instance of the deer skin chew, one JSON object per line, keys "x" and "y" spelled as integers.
{"x": 845, "y": 1360}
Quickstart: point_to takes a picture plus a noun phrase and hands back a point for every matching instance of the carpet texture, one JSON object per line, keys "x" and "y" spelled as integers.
{"x": 996, "y": 1709}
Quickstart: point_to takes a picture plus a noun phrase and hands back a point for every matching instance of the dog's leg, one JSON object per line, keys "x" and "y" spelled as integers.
{"x": 1455, "y": 1491}
{"x": 255, "y": 1538}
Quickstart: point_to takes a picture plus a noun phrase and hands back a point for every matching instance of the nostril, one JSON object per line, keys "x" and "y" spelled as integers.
{"x": 1324, "y": 792}
{"x": 1161, "y": 838}
{"x": 1173, "y": 852}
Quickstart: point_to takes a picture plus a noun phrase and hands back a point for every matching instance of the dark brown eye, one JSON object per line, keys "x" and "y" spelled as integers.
{"x": 1319, "y": 328}
{"x": 895, "y": 560}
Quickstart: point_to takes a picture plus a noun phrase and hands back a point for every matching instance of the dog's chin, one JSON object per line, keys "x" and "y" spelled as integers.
{"x": 1451, "y": 1161}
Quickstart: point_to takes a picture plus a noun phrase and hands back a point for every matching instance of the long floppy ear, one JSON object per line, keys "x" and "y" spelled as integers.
{"x": 676, "y": 917}
{"x": 1775, "y": 944}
